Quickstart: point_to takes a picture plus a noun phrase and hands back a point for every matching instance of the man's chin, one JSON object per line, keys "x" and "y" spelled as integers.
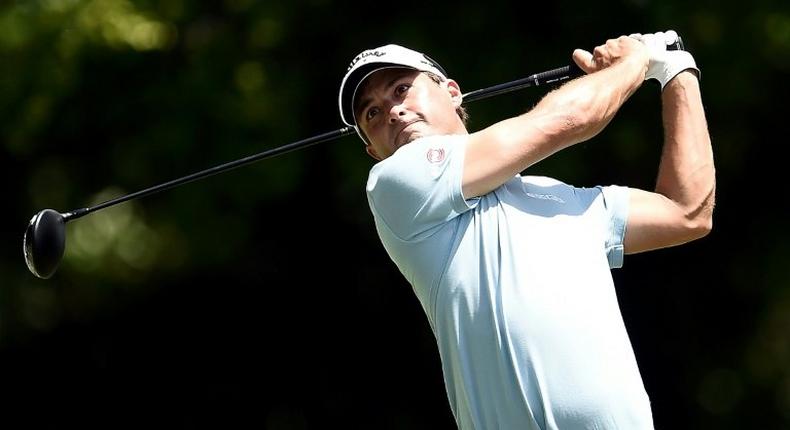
{"x": 412, "y": 137}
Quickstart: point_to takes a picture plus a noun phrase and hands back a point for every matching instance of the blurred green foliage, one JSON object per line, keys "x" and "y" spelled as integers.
{"x": 99, "y": 98}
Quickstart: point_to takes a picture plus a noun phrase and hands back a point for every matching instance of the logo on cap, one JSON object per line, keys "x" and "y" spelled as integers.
{"x": 364, "y": 55}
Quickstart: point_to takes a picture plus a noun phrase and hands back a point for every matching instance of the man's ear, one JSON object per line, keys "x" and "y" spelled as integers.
{"x": 372, "y": 152}
{"x": 455, "y": 92}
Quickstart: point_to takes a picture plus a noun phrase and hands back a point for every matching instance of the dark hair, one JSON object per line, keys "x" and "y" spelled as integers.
{"x": 460, "y": 110}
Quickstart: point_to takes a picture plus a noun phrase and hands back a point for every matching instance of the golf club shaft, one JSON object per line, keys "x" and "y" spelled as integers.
{"x": 543, "y": 78}
{"x": 345, "y": 131}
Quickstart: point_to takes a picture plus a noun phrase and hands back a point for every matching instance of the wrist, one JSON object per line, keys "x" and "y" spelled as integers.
{"x": 635, "y": 66}
{"x": 673, "y": 63}
{"x": 684, "y": 79}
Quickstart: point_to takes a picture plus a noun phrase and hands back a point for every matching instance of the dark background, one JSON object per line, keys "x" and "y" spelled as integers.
{"x": 261, "y": 297}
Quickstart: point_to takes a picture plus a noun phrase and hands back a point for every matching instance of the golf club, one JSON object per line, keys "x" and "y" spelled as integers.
{"x": 44, "y": 241}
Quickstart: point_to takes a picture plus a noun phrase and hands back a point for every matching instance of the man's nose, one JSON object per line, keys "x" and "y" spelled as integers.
{"x": 397, "y": 110}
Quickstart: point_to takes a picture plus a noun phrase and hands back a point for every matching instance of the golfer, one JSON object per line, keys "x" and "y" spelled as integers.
{"x": 514, "y": 271}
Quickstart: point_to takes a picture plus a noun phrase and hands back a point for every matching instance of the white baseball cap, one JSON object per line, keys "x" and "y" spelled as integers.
{"x": 372, "y": 60}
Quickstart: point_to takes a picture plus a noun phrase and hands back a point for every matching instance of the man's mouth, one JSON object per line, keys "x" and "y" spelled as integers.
{"x": 405, "y": 136}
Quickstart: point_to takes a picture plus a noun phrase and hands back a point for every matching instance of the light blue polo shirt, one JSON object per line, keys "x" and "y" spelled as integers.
{"x": 518, "y": 291}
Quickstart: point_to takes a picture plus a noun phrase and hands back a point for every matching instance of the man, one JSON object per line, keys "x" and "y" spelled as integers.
{"x": 513, "y": 272}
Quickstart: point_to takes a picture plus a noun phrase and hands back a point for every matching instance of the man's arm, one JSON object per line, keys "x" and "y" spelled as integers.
{"x": 681, "y": 208}
{"x": 573, "y": 113}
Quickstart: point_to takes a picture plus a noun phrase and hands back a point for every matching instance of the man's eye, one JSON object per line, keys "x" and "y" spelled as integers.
{"x": 371, "y": 113}
{"x": 401, "y": 89}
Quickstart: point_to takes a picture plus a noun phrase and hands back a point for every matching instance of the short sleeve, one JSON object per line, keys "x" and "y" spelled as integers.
{"x": 615, "y": 202}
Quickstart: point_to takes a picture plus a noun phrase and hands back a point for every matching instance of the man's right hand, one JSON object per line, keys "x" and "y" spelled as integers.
{"x": 612, "y": 52}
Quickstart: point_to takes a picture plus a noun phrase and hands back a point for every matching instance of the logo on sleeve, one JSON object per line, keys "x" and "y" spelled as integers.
{"x": 435, "y": 155}
{"x": 546, "y": 197}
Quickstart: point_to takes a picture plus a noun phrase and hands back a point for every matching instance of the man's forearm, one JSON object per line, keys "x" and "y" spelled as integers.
{"x": 573, "y": 113}
{"x": 594, "y": 99}
{"x": 686, "y": 173}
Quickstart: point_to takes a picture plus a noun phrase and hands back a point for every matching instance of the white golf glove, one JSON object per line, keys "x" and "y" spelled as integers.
{"x": 665, "y": 65}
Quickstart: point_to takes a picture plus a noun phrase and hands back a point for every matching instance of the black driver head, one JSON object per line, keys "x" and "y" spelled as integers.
{"x": 44, "y": 243}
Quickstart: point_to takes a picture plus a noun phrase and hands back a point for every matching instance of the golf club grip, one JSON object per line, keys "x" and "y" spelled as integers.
{"x": 548, "y": 77}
